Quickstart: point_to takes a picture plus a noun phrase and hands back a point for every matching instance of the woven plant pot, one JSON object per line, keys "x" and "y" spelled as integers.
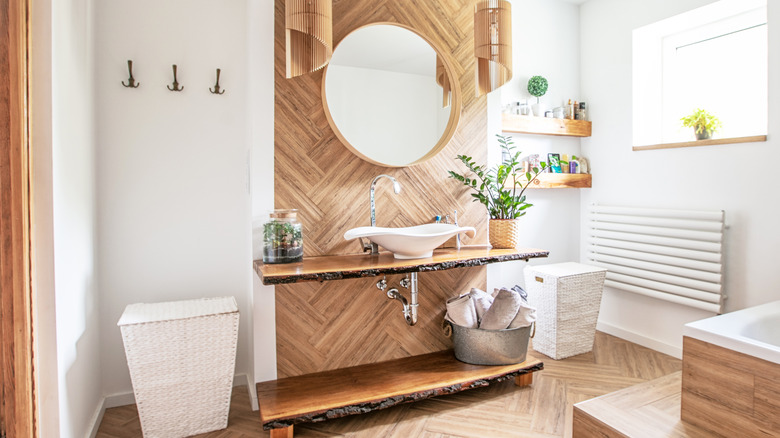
{"x": 504, "y": 233}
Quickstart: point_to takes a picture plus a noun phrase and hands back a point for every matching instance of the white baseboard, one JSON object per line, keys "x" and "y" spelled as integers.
{"x": 97, "y": 418}
{"x": 128, "y": 398}
{"x": 123, "y": 399}
{"x": 243, "y": 379}
{"x": 642, "y": 340}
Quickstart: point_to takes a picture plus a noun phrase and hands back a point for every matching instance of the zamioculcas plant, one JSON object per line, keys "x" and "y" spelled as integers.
{"x": 500, "y": 189}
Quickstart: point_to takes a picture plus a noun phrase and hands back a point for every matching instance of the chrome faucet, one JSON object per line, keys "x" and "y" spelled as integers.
{"x": 447, "y": 221}
{"x": 373, "y": 247}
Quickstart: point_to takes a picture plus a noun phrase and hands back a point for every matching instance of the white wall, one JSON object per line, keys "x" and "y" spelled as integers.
{"x": 172, "y": 167}
{"x": 261, "y": 125}
{"x": 544, "y": 35}
{"x": 728, "y": 177}
{"x": 77, "y": 296}
{"x": 42, "y": 223}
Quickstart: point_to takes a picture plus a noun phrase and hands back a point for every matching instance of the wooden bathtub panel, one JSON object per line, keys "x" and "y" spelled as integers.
{"x": 726, "y": 385}
{"x": 767, "y": 401}
{"x": 728, "y": 358}
{"x": 711, "y": 399}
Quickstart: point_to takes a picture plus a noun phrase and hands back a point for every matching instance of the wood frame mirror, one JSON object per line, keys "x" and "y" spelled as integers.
{"x": 397, "y": 137}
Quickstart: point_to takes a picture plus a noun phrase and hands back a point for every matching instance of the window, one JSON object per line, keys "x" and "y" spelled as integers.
{"x": 714, "y": 58}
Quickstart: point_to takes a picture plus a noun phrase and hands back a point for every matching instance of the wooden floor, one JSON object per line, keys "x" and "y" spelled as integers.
{"x": 500, "y": 410}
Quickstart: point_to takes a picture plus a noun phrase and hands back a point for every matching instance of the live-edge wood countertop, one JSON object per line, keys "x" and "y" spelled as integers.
{"x": 339, "y": 267}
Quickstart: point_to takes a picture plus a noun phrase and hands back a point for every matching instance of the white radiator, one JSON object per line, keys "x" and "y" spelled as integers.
{"x": 672, "y": 255}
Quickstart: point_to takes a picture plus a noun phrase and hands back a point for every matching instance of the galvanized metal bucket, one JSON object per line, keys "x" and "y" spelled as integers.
{"x": 490, "y": 347}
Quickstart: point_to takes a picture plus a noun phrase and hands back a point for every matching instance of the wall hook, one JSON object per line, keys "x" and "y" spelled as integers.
{"x": 216, "y": 89}
{"x": 131, "y": 83}
{"x": 175, "y": 82}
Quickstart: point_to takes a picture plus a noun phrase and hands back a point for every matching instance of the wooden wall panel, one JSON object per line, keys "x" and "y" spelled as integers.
{"x": 343, "y": 323}
{"x": 17, "y": 381}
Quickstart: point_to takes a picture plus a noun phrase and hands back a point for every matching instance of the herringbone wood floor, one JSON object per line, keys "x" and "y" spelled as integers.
{"x": 500, "y": 410}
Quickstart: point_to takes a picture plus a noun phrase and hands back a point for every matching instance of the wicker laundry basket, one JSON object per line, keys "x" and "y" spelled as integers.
{"x": 567, "y": 297}
{"x": 181, "y": 357}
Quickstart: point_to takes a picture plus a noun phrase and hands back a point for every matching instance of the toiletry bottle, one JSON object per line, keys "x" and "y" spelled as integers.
{"x": 574, "y": 166}
{"x": 565, "y": 163}
{"x": 570, "y": 110}
{"x": 583, "y": 115}
{"x": 576, "y": 110}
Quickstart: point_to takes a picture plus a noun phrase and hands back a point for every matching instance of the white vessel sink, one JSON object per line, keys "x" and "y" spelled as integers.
{"x": 410, "y": 242}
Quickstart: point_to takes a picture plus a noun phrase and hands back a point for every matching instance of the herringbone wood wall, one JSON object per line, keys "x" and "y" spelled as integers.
{"x": 322, "y": 326}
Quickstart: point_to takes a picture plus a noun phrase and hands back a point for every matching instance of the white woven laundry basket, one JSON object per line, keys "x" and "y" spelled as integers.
{"x": 181, "y": 357}
{"x": 567, "y": 297}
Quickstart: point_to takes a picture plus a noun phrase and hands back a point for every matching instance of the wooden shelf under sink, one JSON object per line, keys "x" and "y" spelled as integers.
{"x": 364, "y": 388}
{"x": 340, "y": 267}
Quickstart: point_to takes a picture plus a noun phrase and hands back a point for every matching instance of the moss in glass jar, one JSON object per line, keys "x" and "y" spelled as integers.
{"x": 282, "y": 238}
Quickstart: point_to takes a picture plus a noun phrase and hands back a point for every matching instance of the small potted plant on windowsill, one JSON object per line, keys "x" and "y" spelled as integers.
{"x": 501, "y": 190}
{"x": 703, "y": 123}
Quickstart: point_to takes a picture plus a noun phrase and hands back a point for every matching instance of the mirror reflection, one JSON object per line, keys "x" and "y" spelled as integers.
{"x": 382, "y": 97}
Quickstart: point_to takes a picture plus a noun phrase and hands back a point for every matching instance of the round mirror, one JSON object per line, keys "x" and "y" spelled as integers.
{"x": 385, "y": 97}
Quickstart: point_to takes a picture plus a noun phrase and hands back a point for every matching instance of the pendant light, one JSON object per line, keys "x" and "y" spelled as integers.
{"x": 308, "y": 35}
{"x": 493, "y": 44}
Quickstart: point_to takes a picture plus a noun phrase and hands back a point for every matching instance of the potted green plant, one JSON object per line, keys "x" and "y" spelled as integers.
{"x": 537, "y": 87}
{"x": 704, "y": 124}
{"x": 501, "y": 190}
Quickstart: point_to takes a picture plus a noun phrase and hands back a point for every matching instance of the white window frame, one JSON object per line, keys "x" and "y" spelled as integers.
{"x": 651, "y": 49}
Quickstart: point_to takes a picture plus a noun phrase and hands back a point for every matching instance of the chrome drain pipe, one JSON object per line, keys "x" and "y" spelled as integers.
{"x": 409, "y": 307}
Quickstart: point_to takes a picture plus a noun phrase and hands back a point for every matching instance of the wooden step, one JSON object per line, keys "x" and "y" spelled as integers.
{"x": 365, "y": 388}
{"x": 650, "y": 409}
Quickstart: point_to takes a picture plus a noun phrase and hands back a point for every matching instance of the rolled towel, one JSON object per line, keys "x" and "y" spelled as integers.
{"x": 461, "y": 311}
{"x": 482, "y": 301}
{"x": 526, "y": 316}
{"x": 503, "y": 311}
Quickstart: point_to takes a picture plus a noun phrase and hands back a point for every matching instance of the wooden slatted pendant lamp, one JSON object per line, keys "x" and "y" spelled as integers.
{"x": 493, "y": 44}
{"x": 308, "y": 35}
{"x": 443, "y": 79}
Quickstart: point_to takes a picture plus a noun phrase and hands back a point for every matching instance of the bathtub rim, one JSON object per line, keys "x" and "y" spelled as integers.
{"x": 726, "y": 331}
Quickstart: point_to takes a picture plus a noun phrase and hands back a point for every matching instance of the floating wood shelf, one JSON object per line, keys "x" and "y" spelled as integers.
{"x": 366, "y": 388}
{"x": 545, "y": 126}
{"x": 340, "y": 267}
{"x": 562, "y": 181}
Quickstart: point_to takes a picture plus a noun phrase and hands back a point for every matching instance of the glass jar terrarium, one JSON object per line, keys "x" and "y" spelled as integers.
{"x": 282, "y": 237}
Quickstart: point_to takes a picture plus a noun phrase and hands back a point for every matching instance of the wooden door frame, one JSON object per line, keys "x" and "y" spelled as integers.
{"x": 18, "y": 406}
